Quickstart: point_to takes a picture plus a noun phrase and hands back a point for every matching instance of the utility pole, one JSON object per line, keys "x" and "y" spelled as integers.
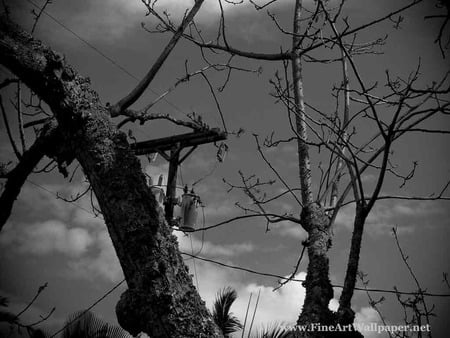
{"x": 174, "y": 145}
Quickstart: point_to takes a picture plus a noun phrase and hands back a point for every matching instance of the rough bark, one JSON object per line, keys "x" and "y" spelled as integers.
{"x": 318, "y": 287}
{"x": 161, "y": 299}
{"x": 317, "y": 284}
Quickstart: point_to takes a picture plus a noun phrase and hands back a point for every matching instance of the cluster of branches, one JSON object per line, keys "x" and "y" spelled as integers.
{"x": 415, "y": 308}
{"x": 14, "y": 321}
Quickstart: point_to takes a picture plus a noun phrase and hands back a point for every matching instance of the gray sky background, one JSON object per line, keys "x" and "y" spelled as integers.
{"x": 49, "y": 240}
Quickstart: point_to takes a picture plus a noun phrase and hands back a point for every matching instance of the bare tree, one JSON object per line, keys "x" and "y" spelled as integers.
{"x": 161, "y": 299}
{"x": 403, "y": 108}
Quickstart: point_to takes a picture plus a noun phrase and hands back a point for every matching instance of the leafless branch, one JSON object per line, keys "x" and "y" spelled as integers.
{"x": 418, "y": 299}
{"x": 373, "y": 303}
{"x": 291, "y": 277}
{"x": 128, "y": 100}
{"x": 77, "y": 196}
{"x": 18, "y": 175}
{"x": 50, "y": 166}
{"x": 37, "y": 16}
{"x": 444, "y": 4}
{"x": 142, "y": 117}
{"x": 274, "y": 218}
{"x": 275, "y": 171}
{"x": 259, "y": 7}
{"x": 8, "y": 130}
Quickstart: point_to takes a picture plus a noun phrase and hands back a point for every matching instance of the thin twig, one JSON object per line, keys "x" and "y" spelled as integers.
{"x": 8, "y": 130}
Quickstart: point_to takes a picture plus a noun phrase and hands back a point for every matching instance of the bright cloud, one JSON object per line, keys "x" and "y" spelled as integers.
{"x": 46, "y": 237}
{"x": 104, "y": 264}
{"x": 281, "y": 306}
{"x": 365, "y": 316}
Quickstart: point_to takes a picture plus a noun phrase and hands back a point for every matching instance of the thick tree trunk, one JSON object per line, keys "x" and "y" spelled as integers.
{"x": 161, "y": 299}
{"x": 318, "y": 287}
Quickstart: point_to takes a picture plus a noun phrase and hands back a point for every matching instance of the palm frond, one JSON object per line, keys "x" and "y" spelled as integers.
{"x": 221, "y": 311}
{"x": 87, "y": 325}
{"x": 275, "y": 330}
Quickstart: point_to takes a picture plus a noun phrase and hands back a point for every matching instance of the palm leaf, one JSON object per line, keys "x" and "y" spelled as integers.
{"x": 86, "y": 325}
{"x": 276, "y": 330}
{"x": 221, "y": 311}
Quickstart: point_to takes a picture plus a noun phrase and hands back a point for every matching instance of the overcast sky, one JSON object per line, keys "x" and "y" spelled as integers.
{"x": 64, "y": 244}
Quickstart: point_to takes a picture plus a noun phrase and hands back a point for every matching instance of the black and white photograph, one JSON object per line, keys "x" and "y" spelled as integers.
{"x": 224, "y": 168}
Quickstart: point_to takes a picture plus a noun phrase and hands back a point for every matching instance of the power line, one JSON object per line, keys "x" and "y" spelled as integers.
{"x": 104, "y": 295}
{"x": 113, "y": 62}
{"x": 89, "y": 308}
{"x": 102, "y": 54}
{"x": 87, "y": 43}
{"x": 57, "y": 197}
{"x": 428, "y": 294}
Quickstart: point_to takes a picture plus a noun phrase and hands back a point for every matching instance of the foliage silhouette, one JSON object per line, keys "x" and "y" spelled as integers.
{"x": 221, "y": 311}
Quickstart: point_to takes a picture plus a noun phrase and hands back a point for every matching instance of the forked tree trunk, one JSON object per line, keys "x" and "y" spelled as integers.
{"x": 161, "y": 299}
